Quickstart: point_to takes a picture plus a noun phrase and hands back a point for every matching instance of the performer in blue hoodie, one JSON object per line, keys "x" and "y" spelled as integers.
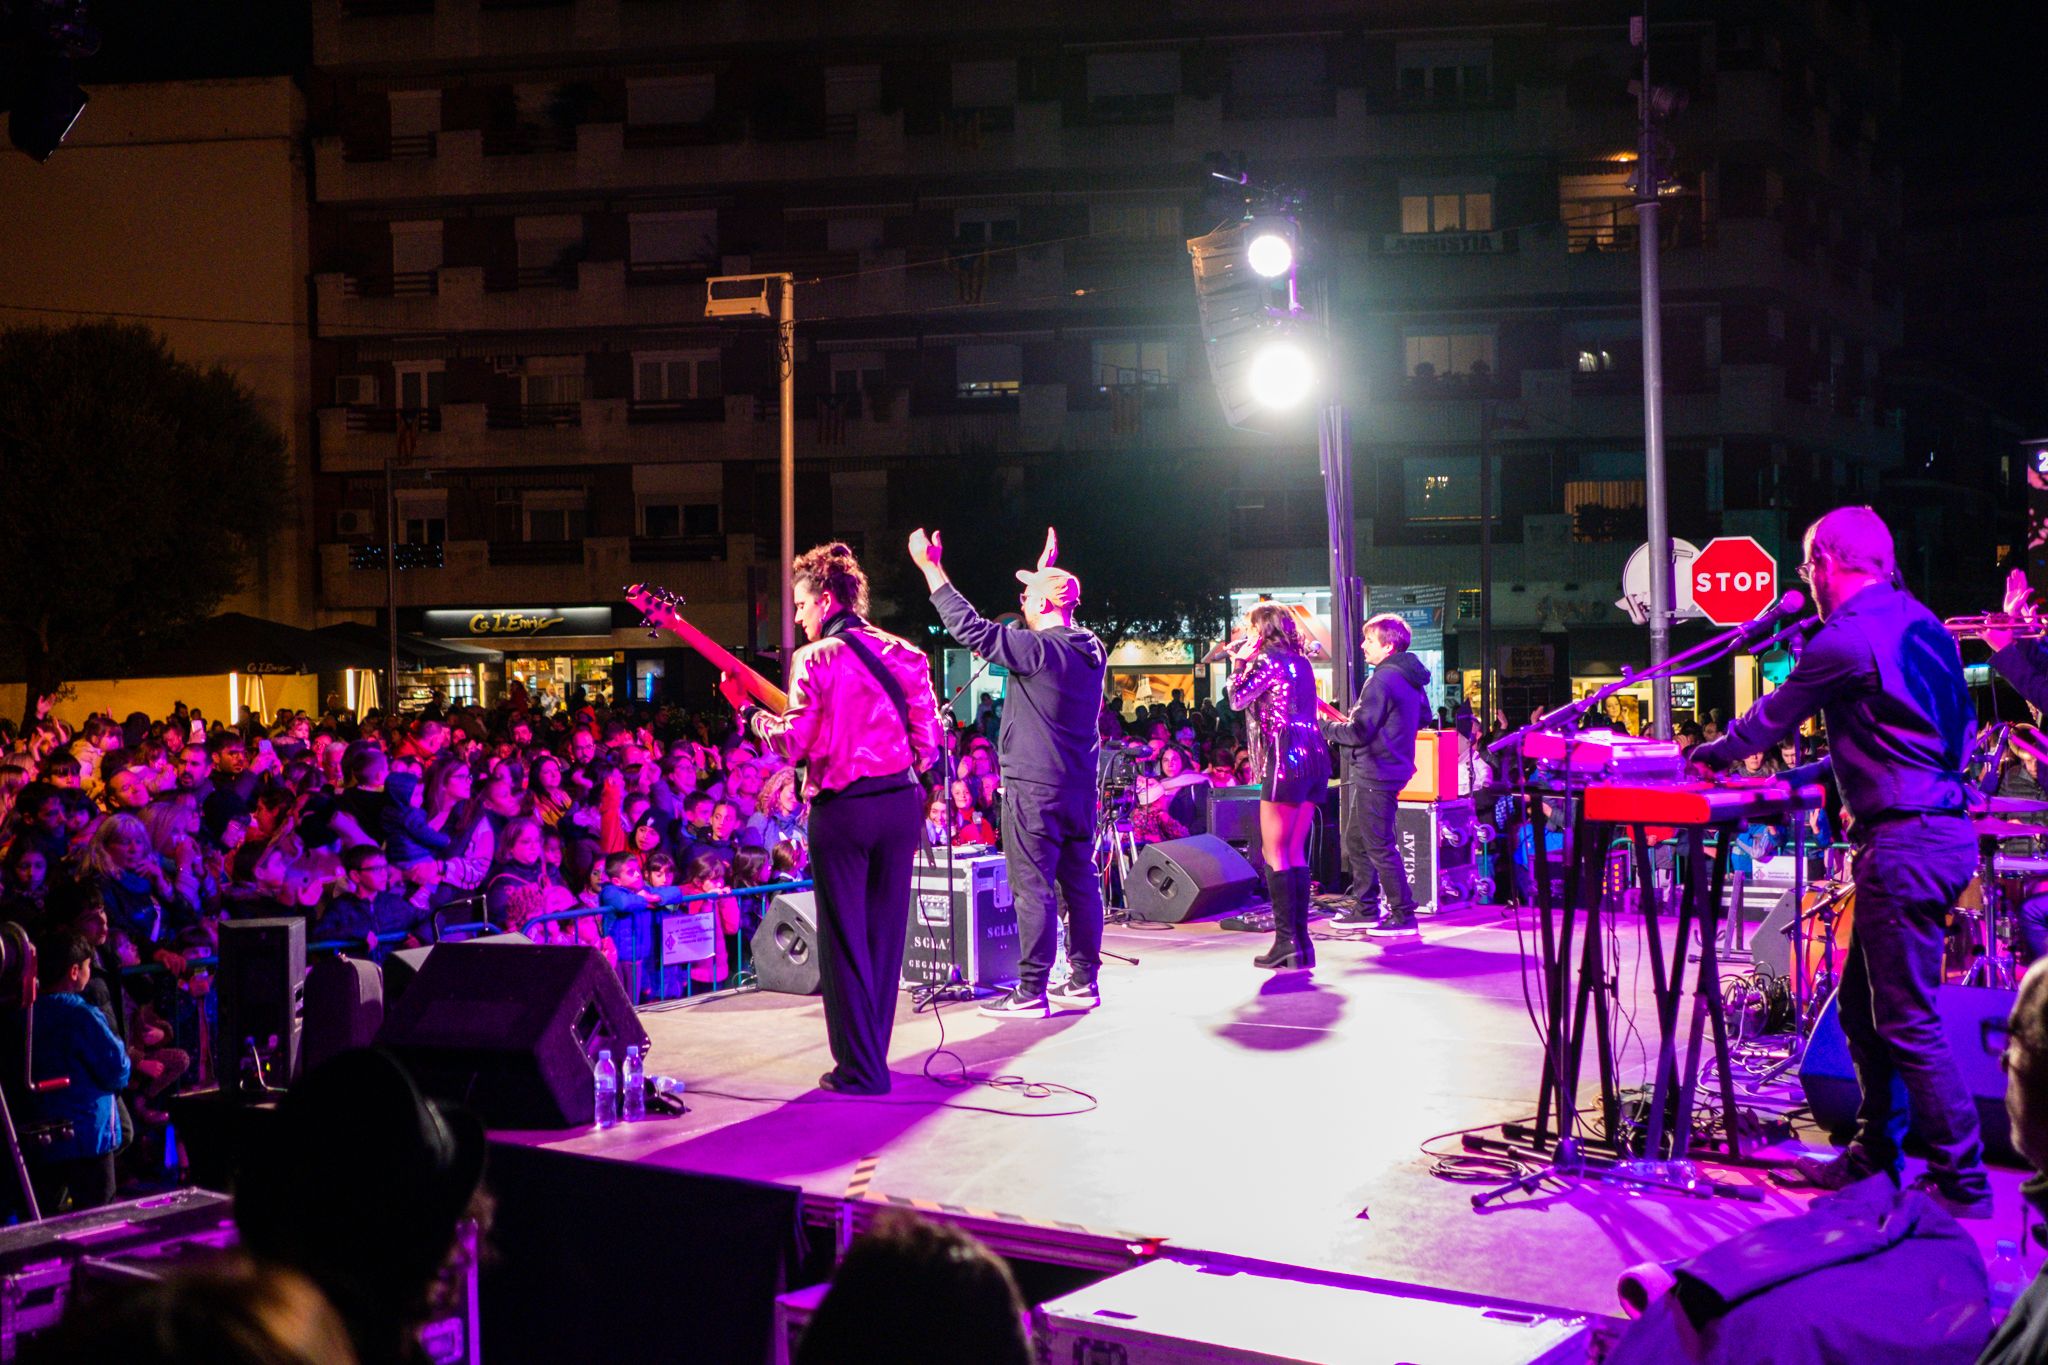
{"x": 1376, "y": 742}
{"x": 1047, "y": 752}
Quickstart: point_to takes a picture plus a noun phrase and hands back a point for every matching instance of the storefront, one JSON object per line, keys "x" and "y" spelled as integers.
{"x": 1630, "y": 707}
{"x": 1242, "y": 600}
{"x": 551, "y": 651}
{"x": 1150, "y": 672}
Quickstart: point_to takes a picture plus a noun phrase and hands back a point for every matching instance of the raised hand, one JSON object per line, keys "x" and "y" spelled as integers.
{"x": 2019, "y": 594}
{"x": 1050, "y": 555}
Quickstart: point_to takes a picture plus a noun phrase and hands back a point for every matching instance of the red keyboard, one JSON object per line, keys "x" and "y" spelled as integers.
{"x": 1696, "y": 803}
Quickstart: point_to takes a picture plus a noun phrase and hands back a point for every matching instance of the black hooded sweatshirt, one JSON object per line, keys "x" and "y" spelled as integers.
{"x": 1377, "y": 740}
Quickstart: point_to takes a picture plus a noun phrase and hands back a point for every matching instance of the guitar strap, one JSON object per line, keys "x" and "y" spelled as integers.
{"x": 892, "y": 688}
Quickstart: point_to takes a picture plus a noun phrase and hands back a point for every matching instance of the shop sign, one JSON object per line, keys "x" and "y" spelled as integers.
{"x": 1525, "y": 661}
{"x": 498, "y": 623}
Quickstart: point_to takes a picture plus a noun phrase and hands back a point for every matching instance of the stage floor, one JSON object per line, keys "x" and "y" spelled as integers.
{"x": 1237, "y": 1116}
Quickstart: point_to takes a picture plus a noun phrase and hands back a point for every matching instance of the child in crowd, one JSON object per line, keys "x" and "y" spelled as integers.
{"x": 73, "y": 1042}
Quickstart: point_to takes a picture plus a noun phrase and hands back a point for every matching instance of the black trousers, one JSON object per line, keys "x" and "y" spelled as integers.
{"x": 1049, "y": 851}
{"x": 1908, "y": 874}
{"x": 862, "y": 844}
{"x": 1372, "y": 852}
{"x": 87, "y": 1181}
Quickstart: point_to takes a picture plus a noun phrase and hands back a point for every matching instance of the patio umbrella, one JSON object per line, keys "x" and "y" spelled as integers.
{"x": 235, "y": 643}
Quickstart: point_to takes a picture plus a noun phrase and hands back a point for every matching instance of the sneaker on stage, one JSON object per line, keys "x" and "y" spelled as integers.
{"x": 1017, "y": 1003}
{"x": 1077, "y": 992}
{"x": 1825, "y": 1173}
{"x": 1355, "y": 917}
{"x": 1963, "y": 1198}
{"x": 1394, "y": 926}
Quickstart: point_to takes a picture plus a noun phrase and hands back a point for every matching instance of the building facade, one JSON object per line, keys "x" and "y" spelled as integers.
{"x": 518, "y": 203}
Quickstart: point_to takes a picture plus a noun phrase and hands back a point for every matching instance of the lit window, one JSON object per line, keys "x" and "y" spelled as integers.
{"x": 1448, "y": 212}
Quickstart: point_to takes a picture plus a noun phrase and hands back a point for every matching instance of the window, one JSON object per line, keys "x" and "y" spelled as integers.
{"x": 855, "y": 372}
{"x": 551, "y": 380}
{"x": 415, "y": 113}
{"x": 423, "y": 516}
{"x": 546, "y": 242}
{"x": 853, "y": 234}
{"x": 984, "y": 227}
{"x": 989, "y": 371}
{"x": 1444, "y": 73}
{"x": 1437, "y": 355}
{"x": 1133, "y": 87}
{"x": 668, "y": 520}
{"x": 419, "y": 384}
{"x": 984, "y": 85}
{"x": 1278, "y": 80}
{"x": 851, "y": 91}
{"x": 1596, "y": 350}
{"x": 415, "y": 247}
{"x": 673, "y": 238}
{"x": 1443, "y": 488}
{"x": 1447, "y": 211}
{"x": 1136, "y": 362}
{"x": 670, "y": 101}
{"x": 554, "y": 513}
{"x": 670, "y": 376}
{"x": 1598, "y": 211}
{"x": 1134, "y": 219}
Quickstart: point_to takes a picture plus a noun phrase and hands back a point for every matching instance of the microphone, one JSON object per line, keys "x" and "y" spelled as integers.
{"x": 1769, "y": 619}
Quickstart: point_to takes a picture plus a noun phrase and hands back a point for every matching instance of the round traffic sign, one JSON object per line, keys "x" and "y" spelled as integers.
{"x": 1733, "y": 580}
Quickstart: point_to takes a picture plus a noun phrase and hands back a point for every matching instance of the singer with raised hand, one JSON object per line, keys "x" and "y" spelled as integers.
{"x": 1888, "y": 680}
{"x": 1272, "y": 680}
{"x": 1047, "y": 751}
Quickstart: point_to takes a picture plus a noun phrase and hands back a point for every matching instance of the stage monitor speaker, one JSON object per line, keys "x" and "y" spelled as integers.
{"x": 402, "y": 966}
{"x": 1234, "y": 815}
{"x": 785, "y": 945}
{"x": 1184, "y": 879}
{"x": 344, "y": 1007}
{"x": 513, "y": 1030}
{"x": 261, "y": 1003}
{"x": 1829, "y": 1079}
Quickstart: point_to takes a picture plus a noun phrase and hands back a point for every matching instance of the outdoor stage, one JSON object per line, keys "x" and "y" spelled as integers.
{"x": 1239, "y": 1117}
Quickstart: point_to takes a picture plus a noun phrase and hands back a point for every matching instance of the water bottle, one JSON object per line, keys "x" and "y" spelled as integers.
{"x": 2008, "y": 1280}
{"x": 634, "y": 1096}
{"x": 607, "y": 1090}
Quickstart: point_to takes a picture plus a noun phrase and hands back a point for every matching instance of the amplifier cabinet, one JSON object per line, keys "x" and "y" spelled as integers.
{"x": 968, "y": 923}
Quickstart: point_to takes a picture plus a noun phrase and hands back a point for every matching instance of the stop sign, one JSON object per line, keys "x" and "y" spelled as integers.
{"x": 1733, "y": 580}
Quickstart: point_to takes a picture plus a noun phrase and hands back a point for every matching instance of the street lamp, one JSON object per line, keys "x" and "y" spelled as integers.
{"x": 747, "y": 295}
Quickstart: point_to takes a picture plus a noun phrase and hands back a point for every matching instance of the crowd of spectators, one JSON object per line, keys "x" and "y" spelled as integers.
{"x": 129, "y": 841}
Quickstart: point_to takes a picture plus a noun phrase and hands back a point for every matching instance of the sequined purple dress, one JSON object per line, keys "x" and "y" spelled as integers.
{"x": 1277, "y": 691}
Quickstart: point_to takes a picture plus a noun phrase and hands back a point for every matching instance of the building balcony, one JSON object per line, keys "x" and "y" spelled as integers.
{"x": 542, "y": 573}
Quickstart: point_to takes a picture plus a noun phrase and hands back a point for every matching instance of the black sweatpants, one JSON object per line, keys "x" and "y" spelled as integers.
{"x": 862, "y": 844}
{"x": 1372, "y": 855}
{"x": 1049, "y": 851}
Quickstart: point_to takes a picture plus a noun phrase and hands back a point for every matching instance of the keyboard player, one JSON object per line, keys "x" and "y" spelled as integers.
{"x": 1888, "y": 681}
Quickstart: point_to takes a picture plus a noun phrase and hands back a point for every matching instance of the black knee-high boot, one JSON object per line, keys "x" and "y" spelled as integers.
{"x": 1287, "y": 888}
{"x": 1304, "y": 950}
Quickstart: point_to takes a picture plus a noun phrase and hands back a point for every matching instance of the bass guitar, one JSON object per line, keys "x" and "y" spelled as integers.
{"x": 740, "y": 684}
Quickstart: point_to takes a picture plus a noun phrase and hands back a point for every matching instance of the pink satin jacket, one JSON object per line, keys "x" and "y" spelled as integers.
{"x": 842, "y": 723}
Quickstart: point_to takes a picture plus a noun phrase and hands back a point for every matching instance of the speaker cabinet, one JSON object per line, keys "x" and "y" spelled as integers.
{"x": 1829, "y": 1079}
{"x": 344, "y": 1007}
{"x": 1183, "y": 879}
{"x": 785, "y": 945}
{"x": 403, "y": 965}
{"x": 261, "y": 988}
{"x": 513, "y": 1030}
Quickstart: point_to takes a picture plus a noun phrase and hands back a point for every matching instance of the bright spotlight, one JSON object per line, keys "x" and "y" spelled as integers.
{"x": 1271, "y": 255}
{"x": 1280, "y": 375}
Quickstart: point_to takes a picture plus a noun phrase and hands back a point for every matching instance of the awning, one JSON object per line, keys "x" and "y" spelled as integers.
{"x": 414, "y": 651}
{"x": 235, "y": 643}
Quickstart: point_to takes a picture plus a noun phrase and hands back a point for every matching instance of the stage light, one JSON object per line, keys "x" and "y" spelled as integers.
{"x": 1271, "y": 254}
{"x": 1281, "y": 375}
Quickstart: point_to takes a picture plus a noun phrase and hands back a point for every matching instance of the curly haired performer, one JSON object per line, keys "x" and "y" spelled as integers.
{"x": 862, "y": 715}
{"x": 1272, "y": 681}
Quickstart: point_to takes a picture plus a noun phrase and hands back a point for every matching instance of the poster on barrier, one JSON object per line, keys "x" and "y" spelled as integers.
{"x": 688, "y": 938}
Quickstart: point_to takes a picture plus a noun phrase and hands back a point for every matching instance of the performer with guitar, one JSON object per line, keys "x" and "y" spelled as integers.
{"x": 1047, "y": 750}
{"x": 861, "y": 714}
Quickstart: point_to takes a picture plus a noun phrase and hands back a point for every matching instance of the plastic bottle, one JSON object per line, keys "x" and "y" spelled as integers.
{"x": 607, "y": 1090}
{"x": 633, "y": 1099}
{"x": 2008, "y": 1280}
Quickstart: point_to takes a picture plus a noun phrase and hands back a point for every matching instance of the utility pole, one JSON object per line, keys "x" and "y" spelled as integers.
{"x": 1649, "y": 176}
{"x": 1485, "y": 716}
{"x": 747, "y": 295}
{"x": 390, "y": 586}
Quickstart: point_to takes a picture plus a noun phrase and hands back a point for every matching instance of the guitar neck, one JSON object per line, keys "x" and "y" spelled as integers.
{"x": 763, "y": 691}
